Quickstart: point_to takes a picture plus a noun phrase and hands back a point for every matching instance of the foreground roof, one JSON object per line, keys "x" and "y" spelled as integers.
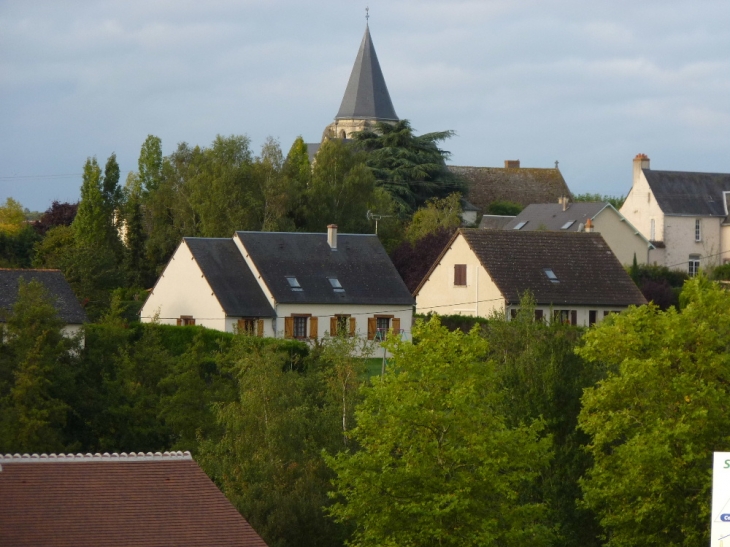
{"x": 111, "y": 500}
{"x": 68, "y": 307}
{"x": 523, "y": 185}
{"x": 587, "y": 272}
{"x": 686, "y": 193}
{"x": 366, "y": 96}
{"x": 229, "y": 277}
{"x": 360, "y": 264}
{"x": 550, "y": 216}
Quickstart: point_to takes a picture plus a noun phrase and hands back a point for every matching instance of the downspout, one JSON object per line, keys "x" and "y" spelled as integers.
{"x": 476, "y": 283}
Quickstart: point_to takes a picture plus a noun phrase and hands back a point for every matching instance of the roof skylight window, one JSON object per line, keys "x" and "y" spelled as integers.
{"x": 294, "y": 284}
{"x": 567, "y": 225}
{"x": 520, "y": 225}
{"x": 551, "y": 275}
{"x": 335, "y": 283}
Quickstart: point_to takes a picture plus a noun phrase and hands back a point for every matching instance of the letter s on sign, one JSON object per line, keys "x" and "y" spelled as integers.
{"x": 727, "y": 464}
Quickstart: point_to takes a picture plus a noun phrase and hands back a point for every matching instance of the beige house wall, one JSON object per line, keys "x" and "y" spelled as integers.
{"x": 582, "y": 312}
{"x": 679, "y": 238}
{"x": 640, "y": 208}
{"x": 621, "y": 237}
{"x": 480, "y": 297}
{"x": 183, "y": 290}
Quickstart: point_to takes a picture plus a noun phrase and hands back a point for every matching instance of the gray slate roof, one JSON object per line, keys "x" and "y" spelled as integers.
{"x": 229, "y": 277}
{"x": 366, "y": 96}
{"x": 68, "y": 307}
{"x": 691, "y": 194}
{"x": 550, "y": 216}
{"x": 494, "y": 222}
{"x": 589, "y": 273}
{"x": 360, "y": 264}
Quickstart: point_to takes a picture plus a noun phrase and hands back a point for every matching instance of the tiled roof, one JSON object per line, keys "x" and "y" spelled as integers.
{"x": 494, "y": 222}
{"x": 588, "y": 273}
{"x": 366, "y": 96}
{"x": 692, "y": 194}
{"x": 229, "y": 277}
{"x": 360, "y": 264}
{"x": 111, "y": 500}
{"x": 550, "y": 216}
{"x": 523, "y": 185}
{"x": 68, "y": 307}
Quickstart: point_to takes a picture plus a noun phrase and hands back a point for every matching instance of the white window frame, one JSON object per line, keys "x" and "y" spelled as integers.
{"x": 693, "y": 265}
{"x": 698, "y": 229}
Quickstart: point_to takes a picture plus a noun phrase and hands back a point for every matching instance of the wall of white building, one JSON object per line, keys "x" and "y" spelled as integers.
{"x": 640, "y": 208}
{"x": 621, "y": 237}
{"x": 679, "y": 238}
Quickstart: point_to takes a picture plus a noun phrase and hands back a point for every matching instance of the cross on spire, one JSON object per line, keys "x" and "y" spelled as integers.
{"x": 367, "y": 14}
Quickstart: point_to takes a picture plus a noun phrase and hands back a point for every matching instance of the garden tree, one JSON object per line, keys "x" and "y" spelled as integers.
{"x": 58, "y": 214}
{"x": 36, "y": 375}
{"x": 657, "y": 417}
{"x": 342, "y": 189}
{"x": 297, "y": 173}
{"x": 12, "y": 217}
{"x": 150, "y": 164}
{"x": 413, "y": 260}
{"x": 658, "y": 284}
{"x": 136, "y": 265}
{"x": 438, "y": 214}
{"x": 55, "y": 247}
{"x": 411, "y": 168}
{"x": 111, "y": 191}
{"x": 273, "y": 189}
{"x": 268, "y": 461}
{"x": 91, "y": 224}
{"x": 507, "y": 208}
{"x": 541, "y": 376}
{"x": 438, "y": 464}
{"x": 616, "y": 201}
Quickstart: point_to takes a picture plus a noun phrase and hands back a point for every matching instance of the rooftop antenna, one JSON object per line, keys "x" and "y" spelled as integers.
{"x": 374, "y": 216}
{"x": 367, "y": 14}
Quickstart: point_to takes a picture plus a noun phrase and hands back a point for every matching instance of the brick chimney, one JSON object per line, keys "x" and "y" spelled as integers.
{"x": 511, "y": 164}
{"x": 589, "y": 226}
{"x": 332, "y": 236}
{"x": 641, "y": 161}
{"x": 564, "y": 200}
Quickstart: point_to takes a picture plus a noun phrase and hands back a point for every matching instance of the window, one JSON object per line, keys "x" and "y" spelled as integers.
{"x": 567, "y": 317}
{"x": 251, "y": 327}
{"x": 294, "y": 284}
{"x": 383, "y": 324}
{"x": 567, "y": 225}
{"x": 694, "y": 265}
{"x": 460, "y": 275}
{"x": 379, "y": 326}
{"x": 341, "y": 325}
{"x": 551, "y": 275}
{"x": 539, "y": 315}
{"x": 592, "y": 317}
{"x": 186, "y": 320}
{"x": 335, "y": 284}
{"x": 300, "y": 327}
{"x": 520, "y": 225}
{"x": 698, "y": 230}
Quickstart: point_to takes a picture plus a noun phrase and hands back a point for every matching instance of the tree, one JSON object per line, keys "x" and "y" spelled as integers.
{"x": 411, "y": 168}
{"x": 438, "y": 214}
{"x": 36, "y": 375}
{"x": 58, "y": 214}
{"x": 135, "y": 237}
{"x": 150, "y": 164}
{"x": 508, "y": 208}
{"x": 111, "y": 190}
{"x": 616, "y": 201}
{"x": 297, "y": 173}
{"x": 90, "y": 224}
{"x": 658, "y": 416}
{"x": 12, "y": 217}
{"x": 437, "y": 464}
{"x": 413, "y": 260}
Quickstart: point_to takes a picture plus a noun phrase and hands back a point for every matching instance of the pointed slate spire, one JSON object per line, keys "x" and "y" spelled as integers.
{"x": 366, "y": 96}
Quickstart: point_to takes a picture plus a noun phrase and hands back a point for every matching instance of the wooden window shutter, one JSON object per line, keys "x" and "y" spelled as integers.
{"x": 260, "y": 327}
{"x": 460, "y": 274}
{"x": 313, "y": 327}
{"x": 372, "y": 328}
{"x": 179, "y": 321}
{"x": 333, "y": 326}
{"x": 241, "y": 326}
{"x": 353, "y": 326}
{"x": 396, "y": 325}
{"x": 573, "y": 317}
{"x": 191, "y": 321}
{"x": 288, "y": 327}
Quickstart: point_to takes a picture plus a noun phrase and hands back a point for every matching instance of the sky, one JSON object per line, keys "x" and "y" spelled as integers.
{"x": 588, "y": 84}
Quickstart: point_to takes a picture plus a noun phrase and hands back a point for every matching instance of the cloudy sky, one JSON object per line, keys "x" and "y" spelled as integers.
{"x": 590, "y": 84}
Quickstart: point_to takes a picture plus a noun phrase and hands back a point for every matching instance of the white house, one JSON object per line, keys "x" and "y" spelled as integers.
{"x": 68, "y": 307}
{"x": 684, "y": 214}
{"x": 625, "y": 240}
{"x": 275, "y": 284}
{"x": 572, "y": 276}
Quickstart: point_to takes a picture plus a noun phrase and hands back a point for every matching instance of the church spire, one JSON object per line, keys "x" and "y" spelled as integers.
{"x": 366, "y": 96}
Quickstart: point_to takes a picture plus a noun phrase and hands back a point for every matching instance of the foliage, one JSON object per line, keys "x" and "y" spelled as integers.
{"x": 658, "y": 284}
{"x": 438, "y": 464}
{"x": 720, "y": 273}
{"x": 658, "y": 416}
{"x": 414, "y": 260}
{"x": 616, "y": 201}
{"x": 411, "y": 168}
{"x": 464, "y": 323}
{"x": 507, "y": 208}
{"x": 150, "y": 164}
{"x": 437, "y": 215}
{"x": 58, "y": 214}
{"x": 17, "y": 248}
{"x": 12, "y": 217}
{"x": 36, "y": 375}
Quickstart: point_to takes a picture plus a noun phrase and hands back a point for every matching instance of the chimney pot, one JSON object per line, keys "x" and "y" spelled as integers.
{"x": 332, "y": 236}
{"x": 511, "y": 164}
{"x": 589, "y": 225}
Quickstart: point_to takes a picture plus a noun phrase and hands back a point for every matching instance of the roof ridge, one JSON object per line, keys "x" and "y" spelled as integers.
{"x": 29, "y": 270}
{"x": 105, "y": 457}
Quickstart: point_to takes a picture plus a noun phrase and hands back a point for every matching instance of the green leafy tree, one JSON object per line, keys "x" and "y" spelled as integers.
{"x": 616, "y": 201}
{"x": 150, "y": 164}
{"x": 136, "y": 264}
{"x": 438, "y": 214}
{"x": 92, "y": 219}
{"x": 438, "y": 464}
{"x": 656, "y": 419}
{"x": 411, "y": 168}
{"x": 36, "y": 375}
{"x": 297, "y": 173}
{"x": 507, "y": 208}
{"x": 12, "y": 217}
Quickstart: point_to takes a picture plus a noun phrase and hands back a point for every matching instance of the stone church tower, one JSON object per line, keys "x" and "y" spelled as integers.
{"x": 366, "y": 99}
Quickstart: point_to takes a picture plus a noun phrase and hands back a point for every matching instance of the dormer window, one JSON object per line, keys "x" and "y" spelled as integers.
{"x": 294, "y": 284}
{"x": 551, "y": 275}
{"x": 520, "y": 225}
{"x": 335, "y": 283}
{"x": 567, "y": 225}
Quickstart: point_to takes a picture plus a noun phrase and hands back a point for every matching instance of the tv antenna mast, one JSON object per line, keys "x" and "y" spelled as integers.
{"x": 376, "y": 217}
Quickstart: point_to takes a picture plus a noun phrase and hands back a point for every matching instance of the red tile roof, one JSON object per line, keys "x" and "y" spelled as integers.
{"x": 140, "y": 500}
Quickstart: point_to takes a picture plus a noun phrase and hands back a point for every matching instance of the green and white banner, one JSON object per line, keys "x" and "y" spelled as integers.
{"x": 720, "y": 531}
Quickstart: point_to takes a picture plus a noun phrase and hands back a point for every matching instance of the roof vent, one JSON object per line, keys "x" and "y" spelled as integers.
{"x": 332, "y": 236}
